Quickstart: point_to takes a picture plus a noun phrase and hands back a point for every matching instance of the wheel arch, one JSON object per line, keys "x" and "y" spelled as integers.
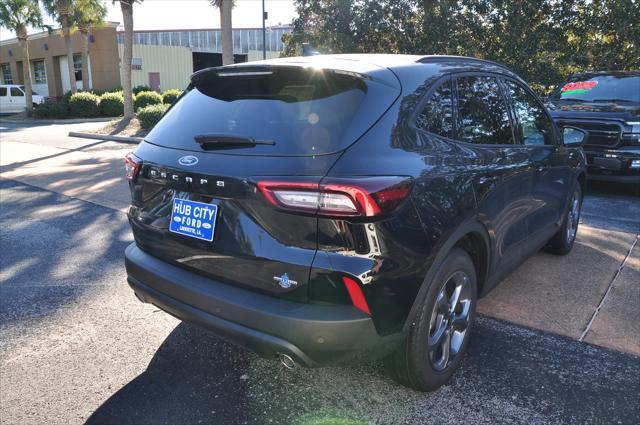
{"x": 473, "y": 238}
{"x": 582, "y": 181}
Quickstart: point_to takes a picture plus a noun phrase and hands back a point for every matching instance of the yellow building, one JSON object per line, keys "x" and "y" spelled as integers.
{"x": 165, "y": 59}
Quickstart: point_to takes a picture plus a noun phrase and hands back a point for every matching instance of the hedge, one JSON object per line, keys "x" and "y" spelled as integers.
{"x": 171, "y": 96}
{"x": 51, "y": 110}
{"x": 112, "y": 104}
{"x": 146, "y": 98}
{"x": 139, "y": 89}
{"x": 150, "y": 115}
{"x": 84, "y": 104}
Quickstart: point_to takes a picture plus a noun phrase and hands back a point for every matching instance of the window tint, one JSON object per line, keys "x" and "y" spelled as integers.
{"x": 437, "y": 115}
{"x": 534, "y": 126}
{"x": 304, "y": 111}
{"x": 3, "y": 91}
{"x": 16, "y": 92}
{"x": 482, "y": 112}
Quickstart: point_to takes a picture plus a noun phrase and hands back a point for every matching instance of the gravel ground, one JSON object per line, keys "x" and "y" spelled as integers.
{"x": 76, "y": 346}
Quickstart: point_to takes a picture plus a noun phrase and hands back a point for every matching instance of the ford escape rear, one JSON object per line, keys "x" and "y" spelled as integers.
{"x": 331, "y": 208}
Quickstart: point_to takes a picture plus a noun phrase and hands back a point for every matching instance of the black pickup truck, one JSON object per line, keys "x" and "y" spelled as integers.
{"x": 607, "y": 106}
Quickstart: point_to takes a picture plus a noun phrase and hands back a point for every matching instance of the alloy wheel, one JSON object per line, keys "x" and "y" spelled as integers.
{"x": 449, "y": 320}
{"x": 573, "y": 217}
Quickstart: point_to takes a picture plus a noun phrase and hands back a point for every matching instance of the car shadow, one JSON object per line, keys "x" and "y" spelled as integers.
{"x": 194, "y": 377}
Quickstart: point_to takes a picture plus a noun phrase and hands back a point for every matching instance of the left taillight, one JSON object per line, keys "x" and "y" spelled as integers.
{"x": 339, "y": 197}
{"x": 132, "y": 166}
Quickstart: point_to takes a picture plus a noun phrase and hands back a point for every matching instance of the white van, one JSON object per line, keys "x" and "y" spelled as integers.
{"x": 12, "y": 98}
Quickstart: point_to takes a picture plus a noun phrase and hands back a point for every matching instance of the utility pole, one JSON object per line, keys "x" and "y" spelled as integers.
{"x": 264, "y": 32}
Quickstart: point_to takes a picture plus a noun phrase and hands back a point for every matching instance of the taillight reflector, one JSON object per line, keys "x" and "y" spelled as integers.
{"x": 357, "y": 296}
{"x": 132, "y": 165}
{"x": 351, "y": 197}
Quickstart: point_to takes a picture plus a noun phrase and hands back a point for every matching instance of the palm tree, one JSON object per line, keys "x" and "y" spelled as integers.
{"x": 127, "y": 18}
{"x": 87, "y": 14}
{"x": 62, "y": 11}
{"x": 226, "y": 34}
{"x": 16, "y": 15}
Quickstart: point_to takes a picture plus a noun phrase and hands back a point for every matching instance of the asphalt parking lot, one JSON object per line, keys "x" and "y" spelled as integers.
{"x": 556, "y": 343}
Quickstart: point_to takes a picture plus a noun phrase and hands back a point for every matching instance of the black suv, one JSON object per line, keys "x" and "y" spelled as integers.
{"x": 329, "y": 209}
{"x": 607, "y": 106}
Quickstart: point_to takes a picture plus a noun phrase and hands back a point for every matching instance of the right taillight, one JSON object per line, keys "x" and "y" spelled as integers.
{"x": 132, "y": 165}
{"x": 339, "y": 197}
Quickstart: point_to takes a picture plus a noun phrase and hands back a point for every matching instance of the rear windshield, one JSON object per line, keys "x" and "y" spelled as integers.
{"x": 304, "y": 111}
{"x": 600, "y": 88}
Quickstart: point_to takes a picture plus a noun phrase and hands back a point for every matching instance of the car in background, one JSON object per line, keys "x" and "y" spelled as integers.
{"x": 607, "y": 106}
{"x": 12, "y": 98}
{"x": 329, "y": 209}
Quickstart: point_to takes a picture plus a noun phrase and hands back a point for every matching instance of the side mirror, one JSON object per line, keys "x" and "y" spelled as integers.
{"x": 573, "y": 136}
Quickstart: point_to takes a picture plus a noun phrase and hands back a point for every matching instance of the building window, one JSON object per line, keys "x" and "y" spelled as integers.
{"x": 77, "y": 66}
{"x": 136, "y": 64}
{"x": 39, "y": 73}
{"x": 6, "y": 74}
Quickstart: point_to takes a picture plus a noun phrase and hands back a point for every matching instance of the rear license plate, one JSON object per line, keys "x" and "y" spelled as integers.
{"x": 195, "y": 219}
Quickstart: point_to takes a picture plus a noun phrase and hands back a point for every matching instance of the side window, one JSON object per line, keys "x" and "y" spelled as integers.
{"x": 483, "y": 116}
{"x": 3, "y": 91}
{"x": 16, "y": 92}
{"x": 437, "y": 115}
{"x": 534, "y": 126}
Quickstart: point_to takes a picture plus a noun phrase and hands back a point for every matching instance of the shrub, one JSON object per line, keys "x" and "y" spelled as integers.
{"x": 84, "y": 104}
{"x": 59, "y": 110}
{"x": 150, "y": 115}
{"x": 146, "y": 98}
{"x": 51, "y": 110}
{"x": 112, "y": 104}
{"x": 66, "y": 97}
{"x": 139, "y": 89}
{"x": 42, "y": 110}
{"x": 171, "y": 96}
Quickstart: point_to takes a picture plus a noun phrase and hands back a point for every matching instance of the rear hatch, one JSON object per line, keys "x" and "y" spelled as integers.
{"x": 235, "y": 127}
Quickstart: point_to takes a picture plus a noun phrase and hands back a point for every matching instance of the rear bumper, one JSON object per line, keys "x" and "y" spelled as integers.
{"x": 313, "y": 335}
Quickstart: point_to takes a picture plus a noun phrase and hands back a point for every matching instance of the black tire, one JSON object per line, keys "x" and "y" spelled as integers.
{"x": 562, "y": 242}
{"x": 411, "y": 364}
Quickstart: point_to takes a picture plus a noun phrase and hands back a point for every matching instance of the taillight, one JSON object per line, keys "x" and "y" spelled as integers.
{"x": 357, "y": 296}
{"x": 338, "y": 197}
{"x": 132, "y": 165}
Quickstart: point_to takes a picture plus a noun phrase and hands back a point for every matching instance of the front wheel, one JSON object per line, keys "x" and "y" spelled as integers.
{"x": 562, "y": 242}
{"x": 438, "y": 338}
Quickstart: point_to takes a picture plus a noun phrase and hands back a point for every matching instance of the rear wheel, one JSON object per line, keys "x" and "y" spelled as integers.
{"x": 562, "y": 242}
{"x": 438, "y": 339}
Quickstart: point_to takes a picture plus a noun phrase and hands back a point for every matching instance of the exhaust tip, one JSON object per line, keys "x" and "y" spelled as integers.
{"x": 287, "y": 361}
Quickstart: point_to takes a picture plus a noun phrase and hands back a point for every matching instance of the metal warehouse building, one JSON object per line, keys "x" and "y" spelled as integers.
{"x": 161, "y": 59}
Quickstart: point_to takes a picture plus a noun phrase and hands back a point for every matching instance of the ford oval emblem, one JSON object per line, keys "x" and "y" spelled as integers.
{"x": 188, "y": 160}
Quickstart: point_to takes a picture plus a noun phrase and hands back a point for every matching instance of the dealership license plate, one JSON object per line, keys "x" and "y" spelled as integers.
{"x": 194, "y": 219}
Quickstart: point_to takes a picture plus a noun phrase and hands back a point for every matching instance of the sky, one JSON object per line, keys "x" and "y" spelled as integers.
{"x": 189, "y": 14}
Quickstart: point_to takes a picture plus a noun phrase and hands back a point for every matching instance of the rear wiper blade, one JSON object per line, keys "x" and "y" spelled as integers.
{"x": 222, "y": 141}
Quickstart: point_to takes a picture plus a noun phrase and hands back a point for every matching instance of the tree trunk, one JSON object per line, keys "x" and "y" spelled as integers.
{"x": 64, "y": 18}
{"x": 127, "y": 18}
{"x": 85, "y": 58}
{"x": 226, "y": 35}
{"x": 26, "y": 74}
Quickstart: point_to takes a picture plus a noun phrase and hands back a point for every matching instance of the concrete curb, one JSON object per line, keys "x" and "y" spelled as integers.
{"x": 69, "y": 121}
{"x": 94, "y": 136}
